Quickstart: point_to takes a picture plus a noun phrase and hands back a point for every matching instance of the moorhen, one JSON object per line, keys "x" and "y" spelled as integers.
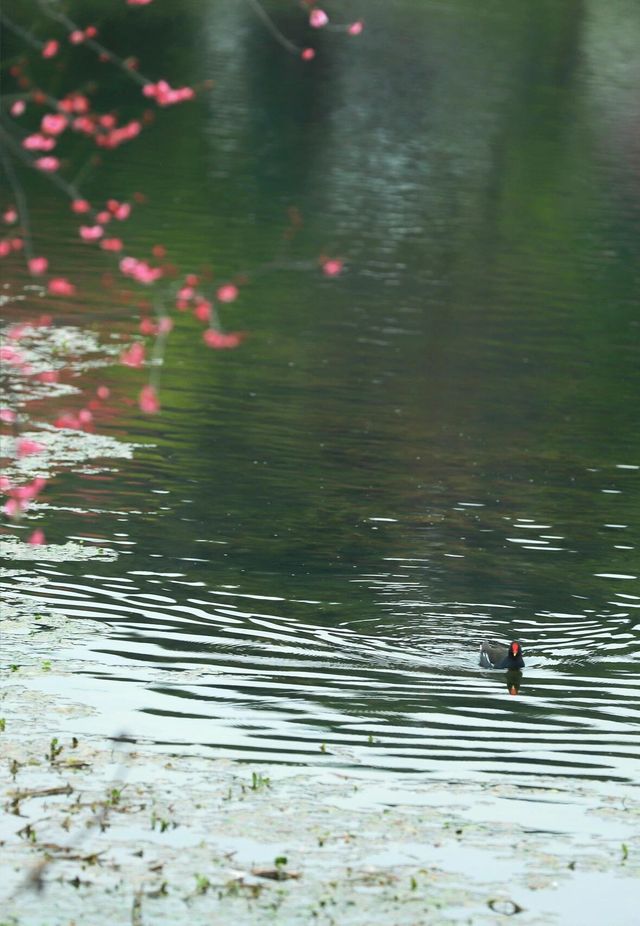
{"x": 499, "y": 656}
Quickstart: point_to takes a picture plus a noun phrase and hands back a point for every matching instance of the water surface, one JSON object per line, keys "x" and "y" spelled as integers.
{"x": 439, "y": 446}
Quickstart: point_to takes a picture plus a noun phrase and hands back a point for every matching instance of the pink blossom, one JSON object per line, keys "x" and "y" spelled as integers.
{"x": 5, "y": 483}
{"x": 191, "y": 279}
{"x": 227, "y": 293}
{"x": 332, "y": 268}
{"x": 103, "y": 217}
{"x": 50, "y": 49}
{"x": 16, "y": 244}
{"x": 80, "y": 205}
{"x": 318, "y": 18}
{"x": 139, "y": 2}
{"x": 166, "y": 95}
{"x": 120, "y": 211}
{"x": 75, "y": 422}
{"x": 84, "y": 124}
{"x": 25, "y": 447}
{"x": 134, "y": 356}
{"x": 111, "y": 244}
{"x": 127, "y": 265}
{"x": 356, "y": 27}
{"x": 219, "y": 340}
{"x": 90, "y": 32}
{"x": 5, "y": 248}
{"x": 54, "y": 123}
{"x": 10, "y": 215}
{"x": 18, "y": 108}
{"x": 165, "y": 325}
{"x": 47, "y": 164}
{"x": 12, "y": 508}
{"x": 33, "y": 488}
{"x": 47, "y": 376}
{"x": 202, "y": 310}
{"x": 38, "y": 265}
{"x": 37, "y": 538}
{"x": 22, "y": 495}
{"x": 11, "y": 355}
{"x": 75, "y": 103}
{"x": 139, "y": 270}
{"x": 76, "y": 37}
{"x": 68, "y": 420}
{"x": 148, "y": 400}
{"x": 7, "y": 415}
{"x": 38, "y": 142}
{"x": 91, "y": 232}
{"x": 58, "y": 286}
{"x": 147, "y": 326}
{"x": 308, "y": 54}
{"x": 116, "y": 137}
{"x": 103, "y": 392}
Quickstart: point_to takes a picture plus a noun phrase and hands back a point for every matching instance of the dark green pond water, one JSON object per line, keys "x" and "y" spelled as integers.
{"x": 439, "y": 446}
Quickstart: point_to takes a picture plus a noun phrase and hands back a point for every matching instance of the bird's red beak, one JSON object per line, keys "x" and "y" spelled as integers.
{"x": 515, "y": 647}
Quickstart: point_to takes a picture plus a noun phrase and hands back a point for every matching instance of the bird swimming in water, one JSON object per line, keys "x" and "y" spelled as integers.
{"x": 499, "y": 656}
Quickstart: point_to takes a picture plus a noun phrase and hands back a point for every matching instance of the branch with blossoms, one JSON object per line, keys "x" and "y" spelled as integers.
{"x": 318, "y": 18}
{"x": 37, "y": 133}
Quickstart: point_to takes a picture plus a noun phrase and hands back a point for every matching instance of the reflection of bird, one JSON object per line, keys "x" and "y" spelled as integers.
{"x": 514, "y": 678}
{"x": 499, "y": 656}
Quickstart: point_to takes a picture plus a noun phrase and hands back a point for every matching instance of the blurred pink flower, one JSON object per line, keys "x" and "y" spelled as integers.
{"x": 219, "y": 340}
{"x": 58, "y": 286}
{"x": 48, "y": 164}
{"x": 54, "y": 123}
{"x": 50, "y": 48}
{"x": 318, "y": 18}
{"x": 91, "y": 232}
{"x": 25, "y": 447}
{"x": 333, "y": 267}
{"x": 134, "y": 355}
{"x": 227, "y": 293}
{"x": 38, "y": 265}
{"x": 148, "y": 400}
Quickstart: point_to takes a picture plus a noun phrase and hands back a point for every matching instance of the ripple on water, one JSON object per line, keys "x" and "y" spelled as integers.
{"x": 227, "y": 670}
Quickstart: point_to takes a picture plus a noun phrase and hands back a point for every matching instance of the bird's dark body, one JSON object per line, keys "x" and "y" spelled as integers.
{"x": 499, "y": 656}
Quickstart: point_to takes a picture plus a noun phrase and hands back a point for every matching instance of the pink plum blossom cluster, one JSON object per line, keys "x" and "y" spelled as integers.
{"x": 318, "y": 18}
{"x": 165, "y": 95}
{"x": 38, "y": 146}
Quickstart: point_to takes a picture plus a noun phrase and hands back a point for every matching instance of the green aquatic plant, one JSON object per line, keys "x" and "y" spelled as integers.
{"x": 259, "y": 781}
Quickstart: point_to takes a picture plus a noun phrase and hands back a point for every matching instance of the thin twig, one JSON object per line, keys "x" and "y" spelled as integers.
{"x": 262, "y": 14}
{"x": 20, "y": 198}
